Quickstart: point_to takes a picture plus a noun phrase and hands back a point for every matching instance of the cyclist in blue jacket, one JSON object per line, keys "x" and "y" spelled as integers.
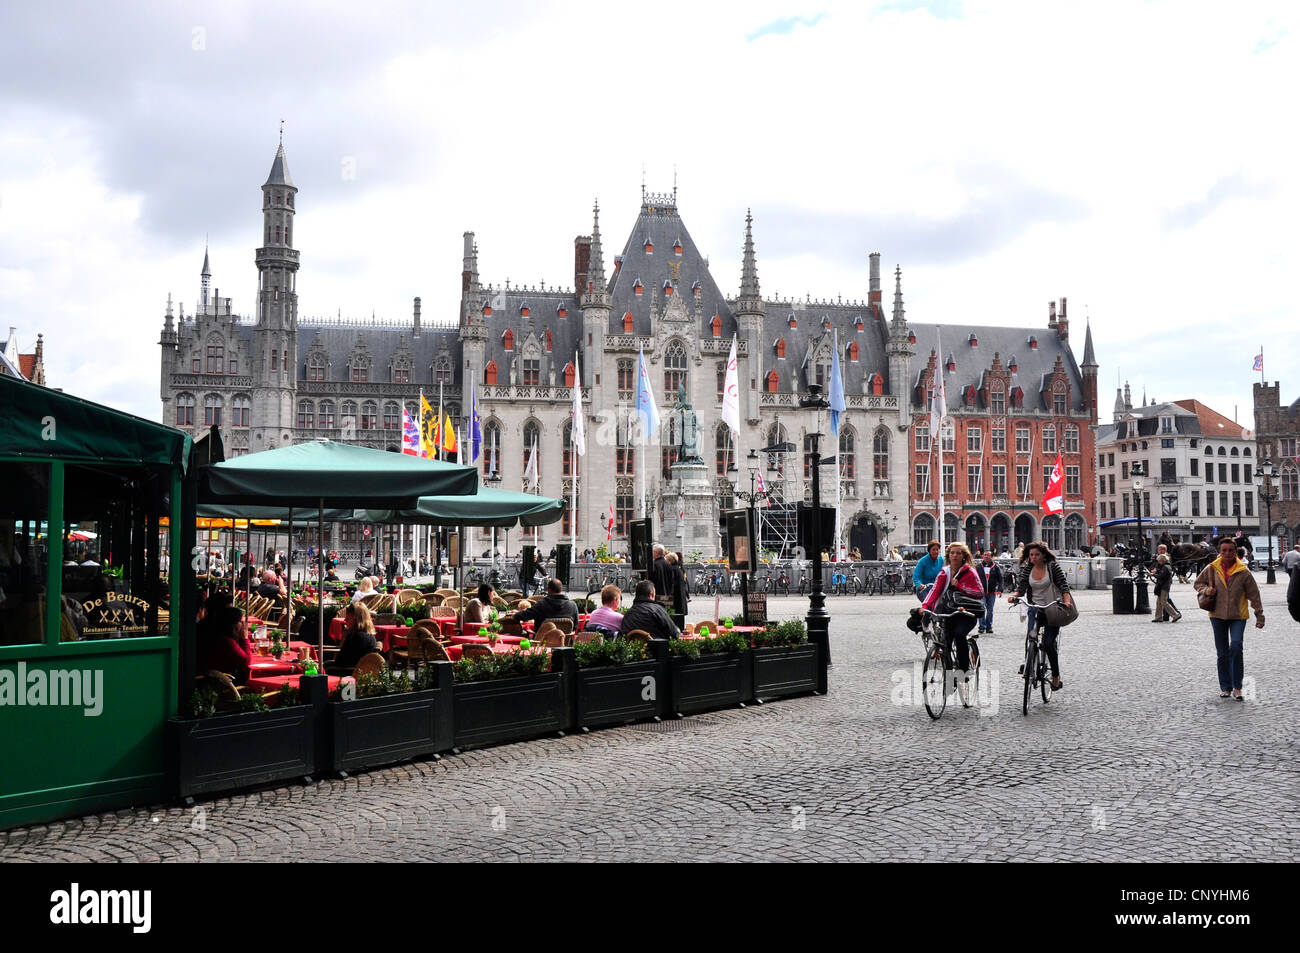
{"x": 927, "y": 570}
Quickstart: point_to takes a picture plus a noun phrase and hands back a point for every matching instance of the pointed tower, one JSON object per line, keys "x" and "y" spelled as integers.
{"x": 275, "y": 336}
{"x": 205, "y": 282}
{"x": 900, "y": 350}
{"x": 1089, "y": 369}
{"x": 473, "y": 330}
{"x": 751, "y": 315}
{"x": 594, "y": 300}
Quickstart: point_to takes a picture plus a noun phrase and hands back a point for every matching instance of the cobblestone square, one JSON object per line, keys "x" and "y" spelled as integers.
{"x": 1136, "y": 759}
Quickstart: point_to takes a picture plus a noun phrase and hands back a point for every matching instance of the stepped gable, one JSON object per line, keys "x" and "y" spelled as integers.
{"x": 810, "y": 330}
{"x": 1034, "y": 364}
{"x": 382, "y": 342}
{"x": 659, "y": 223}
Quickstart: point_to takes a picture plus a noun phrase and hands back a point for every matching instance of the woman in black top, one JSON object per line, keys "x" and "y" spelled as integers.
{"x": 358, "y": 640}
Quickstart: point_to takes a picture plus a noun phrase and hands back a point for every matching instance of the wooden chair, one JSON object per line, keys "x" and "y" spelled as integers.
{"x": 589, "y": 635}
{"x": 404, "y": 596}
{"x": 512, "y": 627}
{"x": 446, "y": 592}
{"x": 498, "y": 602}
{"x": 369, "y": 664}
{"x": 430, "y": 628}
{"x": 688, "y": 628}
{"x": 434, "y": 651}
{"x": 453, "y": 602}
{"x": 475, "y": 651}
{"x": 442, "y": 612}
{"x": 564, "y": 625}
{"x": 432, "y": 599}
{"x": 552, "y": 637}
{"x": 512, "y": 595}
{"x": 638, "y": 635}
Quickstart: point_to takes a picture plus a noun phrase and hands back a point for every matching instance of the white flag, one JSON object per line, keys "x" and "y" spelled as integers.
{"x": 645, "y": 402}
{"x": 579, "y": 434}
{"x": 938, "y": 403}
{"x": 530, "y": 471}
{"x": 731, "y": 395}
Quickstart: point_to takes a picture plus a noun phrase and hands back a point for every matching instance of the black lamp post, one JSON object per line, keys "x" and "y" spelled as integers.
{"x": 1267, "y": 494}
{"x": 818, "y": 619}
{"x": 1137, "y": 505}
{"x": 752, "y": 497}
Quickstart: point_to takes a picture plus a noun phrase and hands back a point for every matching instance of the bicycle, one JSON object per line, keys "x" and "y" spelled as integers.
{"x": 938, "y": 664}
{"x": 1037, "y": 668}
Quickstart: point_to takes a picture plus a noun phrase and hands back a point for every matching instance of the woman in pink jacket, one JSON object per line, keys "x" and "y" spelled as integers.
{"x": 959, "y": 573}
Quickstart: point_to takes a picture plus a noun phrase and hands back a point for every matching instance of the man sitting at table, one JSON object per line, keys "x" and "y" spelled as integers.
{"x": 271, "y": 587}
{"x": 647, "y": 614}
{"x": 358, "y": 640}
{"x": 556, "y": 605}
{"x": 607, "y": 618}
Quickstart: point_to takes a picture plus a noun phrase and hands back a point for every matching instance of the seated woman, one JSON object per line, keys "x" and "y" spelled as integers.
{"x": 331, "y": 575}
{"x": 607, "y": 617}
{"x": 358, "y": 640}
{"x": 364, "y": 588}
{"x": 223, "y": 643}
{"x": 478, "y": 608}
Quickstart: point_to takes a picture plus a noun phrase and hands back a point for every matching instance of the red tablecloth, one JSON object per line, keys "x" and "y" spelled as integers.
{"x": 270, "y": 683}
{"x": 482, "y": 639}
{"x": 747, "y": 629}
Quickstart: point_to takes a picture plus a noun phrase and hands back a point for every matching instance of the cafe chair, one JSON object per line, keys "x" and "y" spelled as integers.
{"x": 442, "y": 612}
{"x": 564, "y": 625}
{"x": 444, "y": 593}
{"x": 688, "y": 628}
{"x": 638, "y": 635}
{"x": 430, "y": 628}
{"x": 590, "y": 634}
{"x": 369, "y": 664}
{"x": 432, "y": 599}
{"x": 388, "y": 618}
{"x": 404, "y": 596}
{"x": 475, "y": 651}
{"x": 453, "y": 602}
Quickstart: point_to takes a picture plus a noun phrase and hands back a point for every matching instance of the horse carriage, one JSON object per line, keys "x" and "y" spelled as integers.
{"x": 1185, "y": 559}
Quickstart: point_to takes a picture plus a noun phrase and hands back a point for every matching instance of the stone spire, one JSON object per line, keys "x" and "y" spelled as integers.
{"x": 749, "y": 266}
{"x": 1089, "y": 358}
{"x": 168, "y": 327}
{"x": 280, "y": 168}
{"x": 596, "y": 293}
{"x": 205, "y": 280}
{"x": 898, "y": 326}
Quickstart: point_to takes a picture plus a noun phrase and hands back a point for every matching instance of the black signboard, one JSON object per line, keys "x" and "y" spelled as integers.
{"x": 740, "y": 544}
{"x": 756, "y": 602}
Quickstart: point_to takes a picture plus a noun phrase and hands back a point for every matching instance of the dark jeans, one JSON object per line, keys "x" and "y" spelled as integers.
{"x": 1050, "y": 632}
{"x": 990, "y": 600}
{"x": 956, "y": 629}
{"x": 1229, "y": 634}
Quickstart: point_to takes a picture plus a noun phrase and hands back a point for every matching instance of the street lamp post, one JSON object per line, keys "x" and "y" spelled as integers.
{"x": 818, "y": 619}
{"x": 1267, "y": 494}
{"x": 1141, "y": 601}
{"x": 752, "y": 497}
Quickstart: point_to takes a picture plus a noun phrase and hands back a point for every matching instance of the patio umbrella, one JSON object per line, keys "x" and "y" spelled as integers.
{"x": 322, "y": 473}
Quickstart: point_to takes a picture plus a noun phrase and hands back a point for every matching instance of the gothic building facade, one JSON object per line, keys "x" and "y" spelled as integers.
{"x": 273, "y": 378}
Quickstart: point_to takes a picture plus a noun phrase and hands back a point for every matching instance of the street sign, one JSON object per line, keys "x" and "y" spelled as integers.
{"x": 757, "y": 605}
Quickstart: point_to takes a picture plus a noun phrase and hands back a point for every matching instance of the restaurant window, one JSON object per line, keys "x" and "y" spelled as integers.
{"x": 392, "y": 415}
{"x": 999, "y": 481}
{"x": 725, "y": 453}
{"x": 1022, "y": 439}
{"x": 623, "y": 499}
{"x": 239, "y": 409}
{"x": 880, "y": 454}
{"x": 625, "y": 380}
{"x": 216, "y": 359}
{"x": 532, "y": 372}
{"x": 24, "y": 551}
{"x": 184, "y": 410}
{"x": 923, "y": 529}
{"x": 674, "y": 371}
{"x": 211, "y": 410}
{"x": 998, "y": 437}
{"x": 848, "y": 456}
{"x": 370, "y": 415}
{"x": 306, "y": 416}
{"x": 326, "y": 418}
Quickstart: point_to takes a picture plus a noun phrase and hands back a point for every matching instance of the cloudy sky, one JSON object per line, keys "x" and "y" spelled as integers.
{"x": 1138, "y": 158}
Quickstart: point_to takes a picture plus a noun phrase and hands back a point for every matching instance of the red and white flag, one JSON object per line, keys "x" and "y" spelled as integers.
{"x": 1054, "y": 498}
{"x": 609, "y": 525}
{"x": 762, "y": 488}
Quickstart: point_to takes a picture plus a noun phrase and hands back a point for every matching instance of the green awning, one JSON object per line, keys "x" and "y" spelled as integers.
{"x": 340, "y": 474}
{"x": 244, "y": 511}
{"x": 488, "y": 507}
{"x": 40, "y": 423}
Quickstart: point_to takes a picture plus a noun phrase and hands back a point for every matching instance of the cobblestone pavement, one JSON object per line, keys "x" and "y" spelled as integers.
{"x": 1136, "y": 759}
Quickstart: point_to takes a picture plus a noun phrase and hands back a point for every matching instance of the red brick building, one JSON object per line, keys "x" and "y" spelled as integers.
{"x": 1277, "y": 439}
{"x": 1015, "y": 397}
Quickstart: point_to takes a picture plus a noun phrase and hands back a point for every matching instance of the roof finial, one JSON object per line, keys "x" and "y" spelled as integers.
{"x": 674, "y": 183}
{"x": 281, "y": 132}
{"x": 642, "y": 183}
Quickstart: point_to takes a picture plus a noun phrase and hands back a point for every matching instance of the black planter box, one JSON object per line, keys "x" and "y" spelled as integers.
{"x": 783, "y": 670}
{"x": 225, "y": 752}
{"x": 617, "y": 694}
{"x": 512, "y": 709}
{"x": 368, "y": 732}
{"x": 717, "y": 680}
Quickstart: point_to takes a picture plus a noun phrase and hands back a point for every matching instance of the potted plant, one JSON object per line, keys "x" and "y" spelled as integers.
{"x": 619, "y": 681}
{"x": 713, "y": 671}
{"x": 225, "y": 741}
{"x": 391, "y": 717}
{"x": 785, "y": 662}
{"x": 512, "y": 696}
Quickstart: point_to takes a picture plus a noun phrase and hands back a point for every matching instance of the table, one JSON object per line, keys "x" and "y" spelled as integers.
{"x": 483, "y": 639}
{"x": 272, "y": 683}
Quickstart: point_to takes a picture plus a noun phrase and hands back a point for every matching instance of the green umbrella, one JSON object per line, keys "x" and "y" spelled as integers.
{"x": 485, "y": 508}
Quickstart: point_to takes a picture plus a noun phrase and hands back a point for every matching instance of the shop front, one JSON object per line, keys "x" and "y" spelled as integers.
{"x": 88, "y": 639}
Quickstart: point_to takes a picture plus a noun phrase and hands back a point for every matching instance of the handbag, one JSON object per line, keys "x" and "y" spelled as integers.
{"x": 1207, "y": 598}
{"x": 1061, "y": 615}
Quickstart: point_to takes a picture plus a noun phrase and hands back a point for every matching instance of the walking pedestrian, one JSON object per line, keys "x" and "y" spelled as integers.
{"x": 990, "y": 574}
{"x": 1231, "y": 586}
{"x": 1164, "y": 578}
{"x": 1291, "y": 560}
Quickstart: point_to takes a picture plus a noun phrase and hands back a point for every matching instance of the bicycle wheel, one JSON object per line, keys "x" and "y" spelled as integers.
{"x": 1044, "y": 676}
{"x": 968, "y": 682}
{"x": 1031, "y": 657}
{"x": 934, "y": 682}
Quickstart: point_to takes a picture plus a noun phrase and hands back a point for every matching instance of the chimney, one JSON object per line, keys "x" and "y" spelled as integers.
{"x": 874, "y": 288}
{"x": 1051, "y": 314}
{"x": 581, "y": 262}
{"x": 469, "y": 266}
{"x": 417, "y": 317}
{"x": 1062, "y": 323}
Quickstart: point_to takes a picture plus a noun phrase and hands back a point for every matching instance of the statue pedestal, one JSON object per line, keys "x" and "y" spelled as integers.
{"x": 690, "y": 510}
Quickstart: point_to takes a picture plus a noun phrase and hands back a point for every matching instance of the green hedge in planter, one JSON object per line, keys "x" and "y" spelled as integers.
{"x": 793, "y": 632}
{"x": 694, "y": 648}
{"x": 620, "y": 652}
{"x": 384, "y": 682}
{"x": 485, "y": 668}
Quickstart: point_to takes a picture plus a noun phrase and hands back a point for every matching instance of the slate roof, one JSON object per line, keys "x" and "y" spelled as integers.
{"x": 383, "y": 342}
{"x": 280, "y": 170}
{"x": 1186, "y": 423}
{"x": 543, "y": 314}
{"x": 1033, "y": 365}
{"x": 810, "y": 330}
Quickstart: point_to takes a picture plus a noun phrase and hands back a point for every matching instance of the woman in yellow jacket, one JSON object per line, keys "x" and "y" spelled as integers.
{"x": 1233, "y": 587}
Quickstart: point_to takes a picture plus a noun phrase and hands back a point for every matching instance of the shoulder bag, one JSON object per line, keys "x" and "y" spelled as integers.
{"x": 1208, "y": 597}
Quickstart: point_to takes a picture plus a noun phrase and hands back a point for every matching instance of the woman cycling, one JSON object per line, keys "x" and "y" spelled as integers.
{"x": 1041, "y": 576}
{"x": 959, "y": 573}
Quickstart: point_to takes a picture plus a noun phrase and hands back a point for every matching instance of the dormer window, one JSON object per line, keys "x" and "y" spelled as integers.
{"x": 974, "y": 341}
{"x": 792, "y": 321}
{"x": 649, "y": 247}
{"x": 970, "y": 395}
{"x": 858, "y": 324}
{"x": 490, "y": 374}
{"x": 826, "y": 323}
{"x": 716, "y": 326}
{"x": 695, "y": 288}
{"x": 523, "y": 310}
{"x": 487, "y": 310}
{"x": 853, "y": 351}
{"x": 911, "y": 337}
{"x": 773, "y": 382}
{"x": 508, "y": 340}
{"x": 548, "y": 339}
{"x": 627, "y": 322}
{"x": 668, "y": 289}
{"x": 677, "y": 248}
{"x": 1033, "y": 343}
{"x": 561, "y": 311}
{"x": 568, "y": 374}
{"x": 1012, "y": 367}
{"x": 951, "y": 365}
{"x": 636, "y": 288}
{"x": 877, "y": 383}
{"x": 780, "y": 347}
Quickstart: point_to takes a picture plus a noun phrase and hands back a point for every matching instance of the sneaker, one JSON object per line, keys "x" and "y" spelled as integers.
{"x": 1020, "y": 670}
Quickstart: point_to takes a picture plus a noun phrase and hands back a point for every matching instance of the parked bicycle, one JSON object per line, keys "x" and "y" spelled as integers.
{"x": 937, "y": 669}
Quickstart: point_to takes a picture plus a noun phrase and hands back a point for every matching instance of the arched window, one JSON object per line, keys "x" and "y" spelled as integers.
{"x": 240, "y": 406}
{"x": 572, "y": 461}
{"x": 725, "y": 456}
{"x": 853, "y": 351}
{"x": 1209, "y": 451}
{"x": 880, "y": 454}
{"x": 716, "y": 325}
{"x": 1052, "y": 532}
{"x": 1223, "y": 451}
{"x": 184, "y": 410}
{"x": 923, "y": 529}
{"x": 877, "y": 382}
{"x": 508, "y": 340}
{"x": 212, "y": 410}
{"x": 392, "y": 415}
{"x": 491, "y": 447}
{"x": 568, "y": 373}
{"x": 780, "y": 347}
{"x": 316, "y": 367}
{"x": 1246, "y": 452}
{"x": 675, "y": 371}
{"x": 216, "y": 359}
{"x": 325, "y": 419}
{"x": 773, "y": 381}
{"x": 1233, "y": 452}
{"x": 1289, "y": 482}
{"x": 1075, "y": 532}
{"x": 848, "y": 456}
{"x": 722, "y": 377}
{"x": 370, "y": 415}
{"x": 628, "y": 324}
{"x": 348, "y": 414}
{"x": 626, "y": 380}
{"x": 532, "y": 451}
{"x": 490, "y": 374}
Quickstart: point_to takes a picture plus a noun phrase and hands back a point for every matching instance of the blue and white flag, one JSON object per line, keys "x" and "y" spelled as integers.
{"x": 645, "y": 401}
{"x": 837, "y": 389}
{"x": 475, "y": 430}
